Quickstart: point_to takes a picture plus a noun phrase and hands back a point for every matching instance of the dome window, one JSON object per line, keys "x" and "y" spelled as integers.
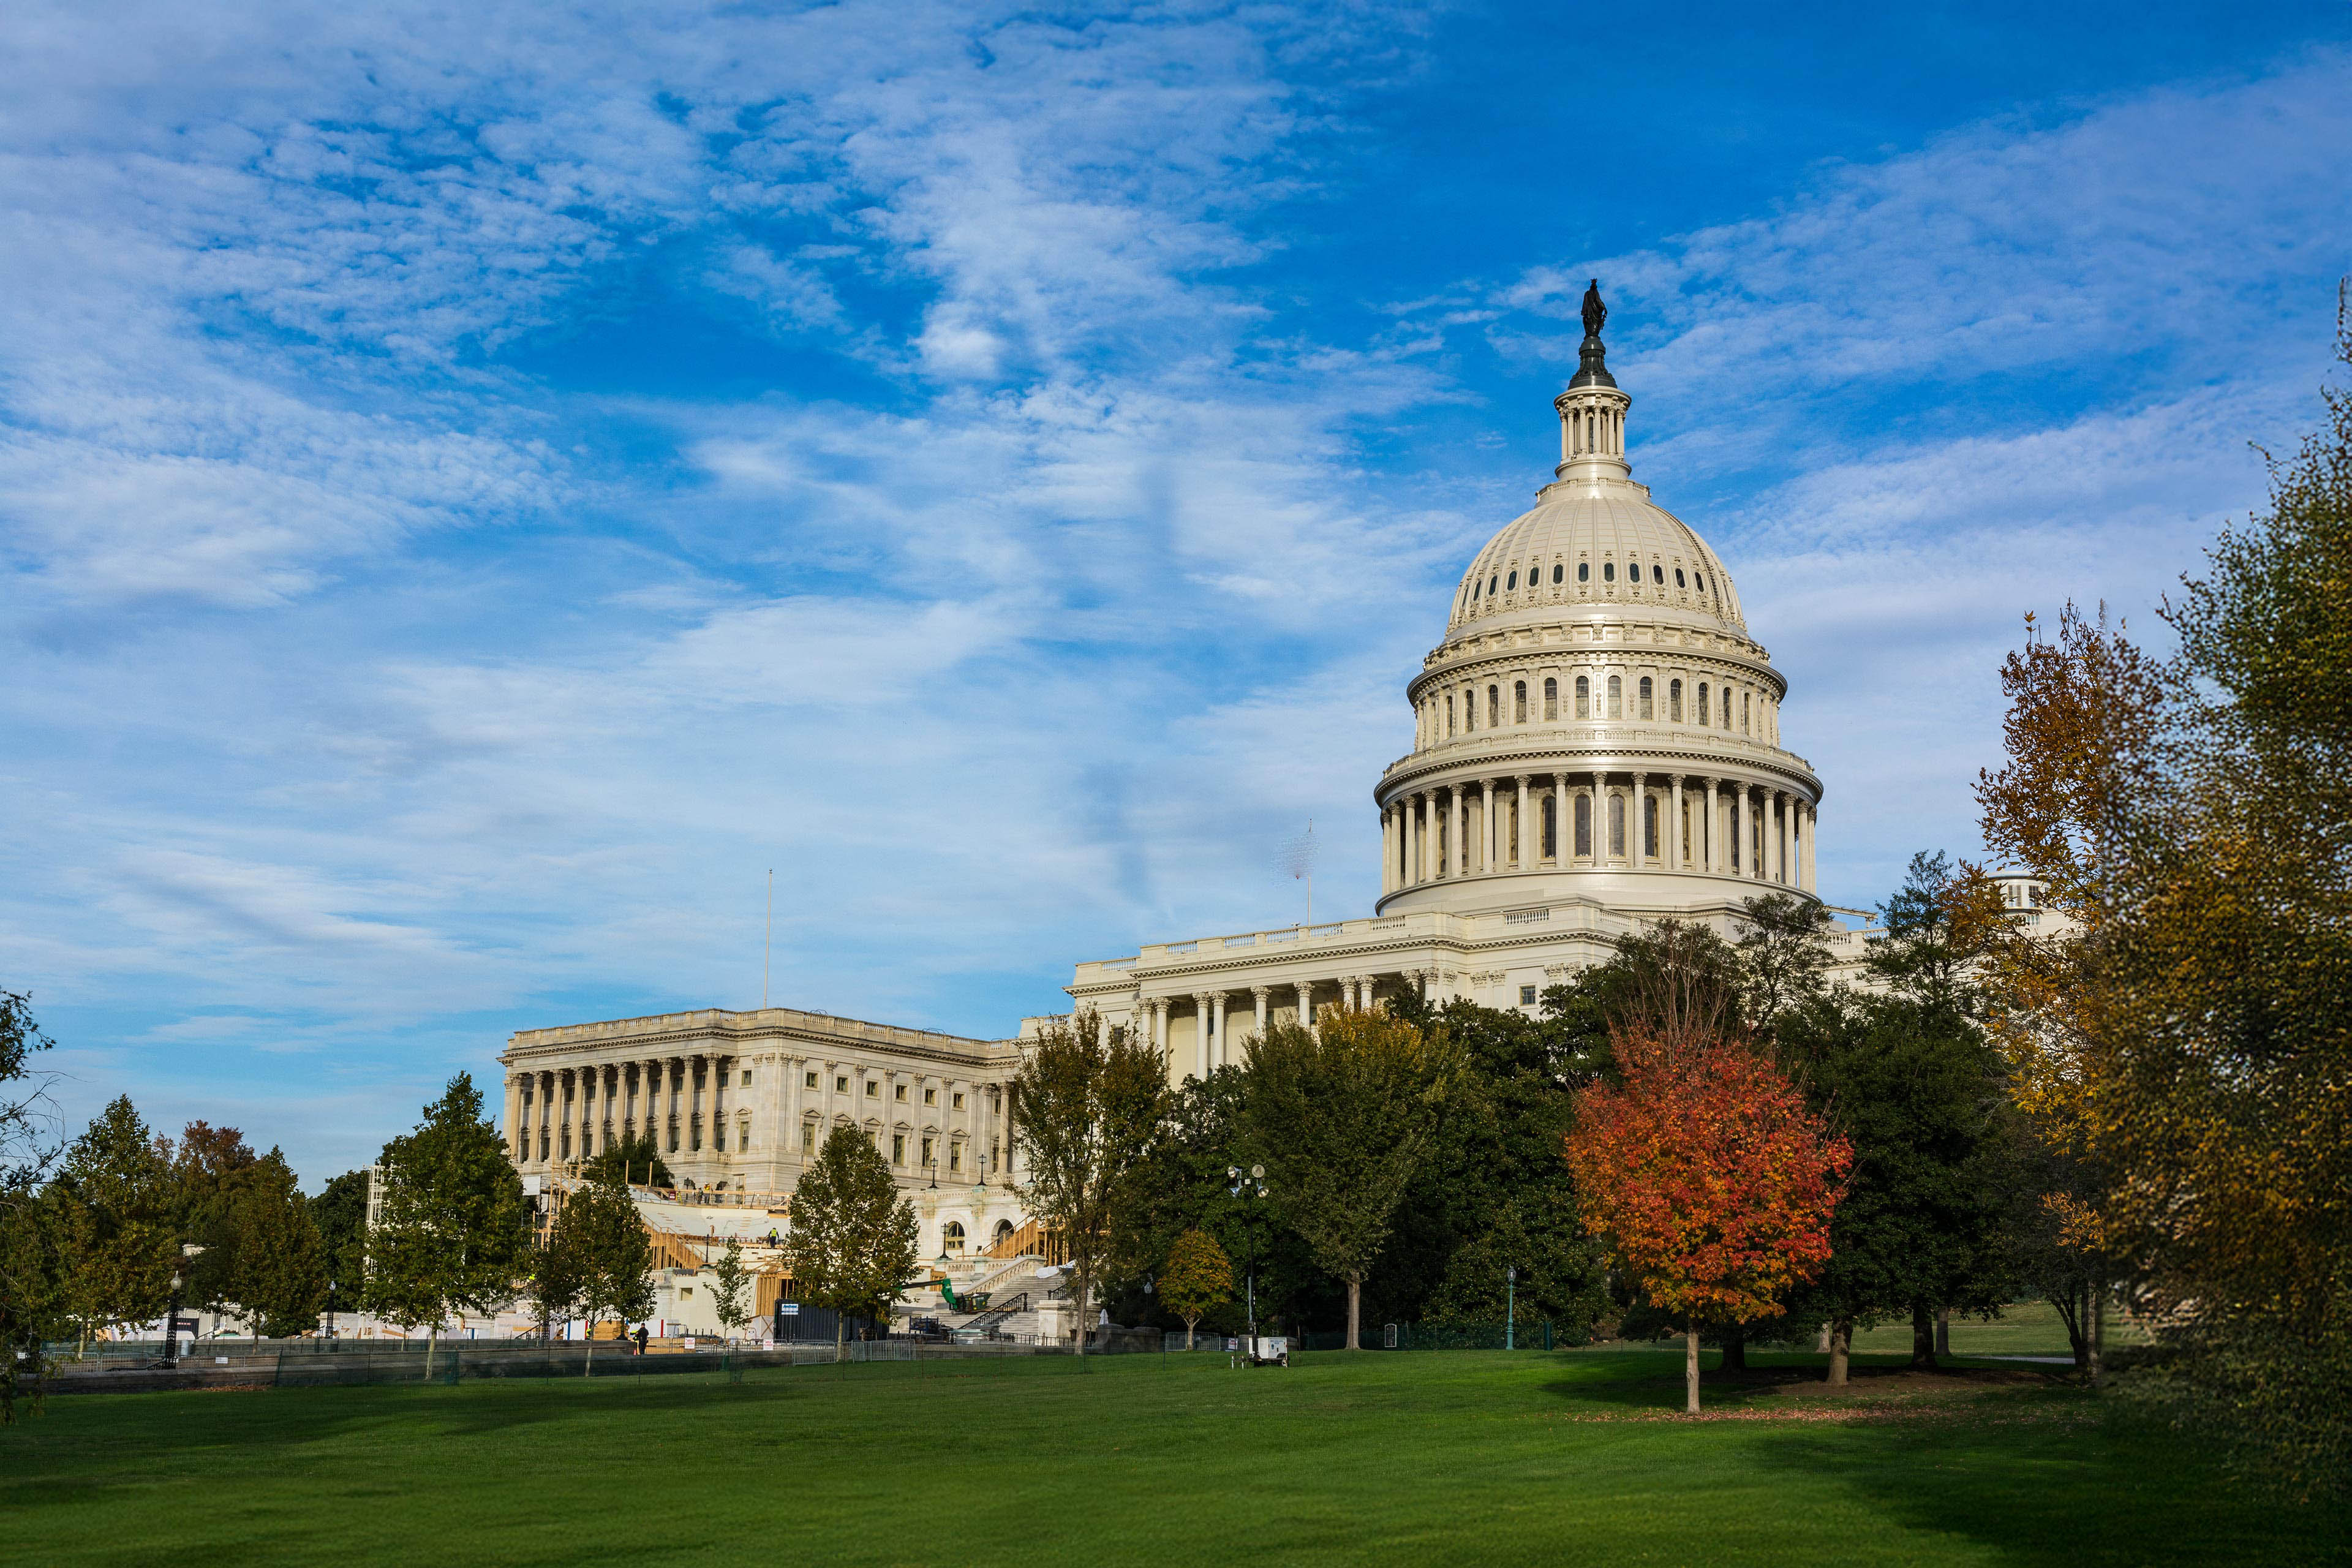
{"x": 1558, "y": 572}
{"x": 1473, "y": 591}
{"x": 1609, "y": 570}
{"x": 1584, "y": 697}
{"x": 1658, "y": 575}
{"x": 1678, "y": 578}
{"x": 1490, "y": 584}
{"x": 1584, "y": 571}
{"x": 1513, "y": 584}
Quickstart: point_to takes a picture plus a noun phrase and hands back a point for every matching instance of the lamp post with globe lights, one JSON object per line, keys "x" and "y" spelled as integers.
{"x": 1242, "y": 1187}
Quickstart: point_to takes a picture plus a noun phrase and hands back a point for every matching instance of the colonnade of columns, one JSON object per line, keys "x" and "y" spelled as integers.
{"x": 1600, "y": 820}
{"x": 1215, "y": 1015}
{"x": 576, "y": 1112}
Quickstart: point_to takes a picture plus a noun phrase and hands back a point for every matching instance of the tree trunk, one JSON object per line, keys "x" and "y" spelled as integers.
{"x": 432, "y": 1335}
{"x": 1084, "y": 1327}
{"x": 1735, "y": 1347}
{"x": 1923, "y": 1337}
{"x": 588, "y": 1369}
{"x": 1354, "y": 1307}
{"x": 1690, "y": 1371}
{"x": 1943, "y": 1331}
{"x": 1841, "y": 1350}
{"x": 2095, "y": 1311}
{"x": 1187, "y": 1332}
{"x": 840, "y": 1335}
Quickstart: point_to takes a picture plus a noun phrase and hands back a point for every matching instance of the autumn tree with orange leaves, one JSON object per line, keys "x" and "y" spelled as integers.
{"x": 1710, "y": 1180}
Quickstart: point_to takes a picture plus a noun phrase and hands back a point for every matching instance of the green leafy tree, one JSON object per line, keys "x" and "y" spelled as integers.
{"x": 340, "y": 1212}
{"x": 1342, "y": 1115}
{"x": 1783, "y": 956}
{"x": 1197, "y": 1276}
{"x": 34, "y": 1255}
{"x": 1087, "y": 1104}
{"x": 731, "y": 1281}
{"x": 852, "y": 1243}
{"x": 124, "y": 1241}
{"x": 452, "y": 1236}
{"x": 600, "y": 1259}
{"x": 635, "y": 1158}
{"x": 280, "y": 1273}
{"x": 210, "y": 1170}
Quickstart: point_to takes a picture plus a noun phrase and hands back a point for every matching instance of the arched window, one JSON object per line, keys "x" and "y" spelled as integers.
{"x": 1645, "y": 698}
{"x": 1616, "y": 697}
{"x": 952, "y": 1238}
{"x": 1470, "y": 711}
{"x": 1001, "y": 1234}
{"x": 1583, "y": 697}
{"x": 1513, "y": 582}
{"x": 1551, "y": 698}
{"x": 1519, "y": 703}
{"x": 1699, "y": 711}
{"x": 1584, "y": 827}
{"x": 1475, "y": 589}
{"x": 1616, "y": 825}
{"x": 1675, "y": 701}
{"x": 1678, "y": 578}
{"x": 1550, "y": 850}
{"x": 1609, "y": 570}
{"x": 1494, "y": 707}
{"x": 1584, "y": 571}
{"x": 1658, "y": 575}
{"x": 1490, "y": 584}
{"x": 1744, "y": 704}
{"x": 1558, "y": 572}
{"x": 1449, "y": 718}
{"x": 1649, "y": 829}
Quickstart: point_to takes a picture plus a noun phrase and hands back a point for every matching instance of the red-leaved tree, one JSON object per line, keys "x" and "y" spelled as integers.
{"x": 1711, "y": 1182}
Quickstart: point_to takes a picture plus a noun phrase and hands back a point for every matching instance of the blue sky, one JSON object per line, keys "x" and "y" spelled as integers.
{"x": 478, "y": 489}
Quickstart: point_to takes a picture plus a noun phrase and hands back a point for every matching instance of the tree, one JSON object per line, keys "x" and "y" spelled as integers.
{"x": 340, "y": 1212}
{"x": 210, "y": 1168}
{"x": 1713, "y": 1182}
{"x": 1197, "y": 1276}
{"x": 125, "y": 1241}
{"x": 1088, "y": 1102}
{"x": 635, "y": 1158}
{"x": 598, "y": 1256}
{"x": 1783, "y": 956}
{"x": 852, "y": 1243}
{"x": 733, "y": 1281}
{"x": 33, "y": 1256}
{"x": 1342, "y": 1115}
{"x": 280, "y": 1262}
{"x": 452, "y": 1236}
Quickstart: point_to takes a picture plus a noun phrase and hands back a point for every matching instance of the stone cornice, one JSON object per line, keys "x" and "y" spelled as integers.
{"x": 1617, "y": 751}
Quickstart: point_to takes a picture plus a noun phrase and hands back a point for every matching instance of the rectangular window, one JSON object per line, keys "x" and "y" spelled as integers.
{"x": 1449, "y": 718}
{"x": 873, "y": 1088}
{"x": 1583, "y": 697}
{"x": 1583, "y": 827}
{"x": 955, "y": 1102}
{"x": 809, "y": 1081}
{"x": 930, "y": 1147}
{"x": 1674, "y": 703}
{"x": 1616, "y": 824}
{"x": 1743, "y": 712}
{"x": 897, "y": 1148}
{"x": 1616, "y": 697}
{"x": 1519, "y": 703}
{"x": 1552, "y": 699}
{"x": 747, "y": 1078}
{"x": 808, "y": 1137}
{"x": 841, "y": 1086}
{"x": 673, "y": 1138}
{"x": 1494, "y": 707}
{"x": 1701, "y": 709}
{"x": 930, "y": 1097}
{"x": 1526, "y": 996}
{"x": 1649, "y": 828}
{"x": 1646, "y": 697}
{"x": 994, "y": 1150}
{"x": 955, "y": 1158}
{"x": 898, "y": 1092}
{"x": 742, "y": 1137}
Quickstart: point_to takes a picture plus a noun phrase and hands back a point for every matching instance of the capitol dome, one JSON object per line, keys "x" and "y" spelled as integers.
{"x": 1597, "y": 723}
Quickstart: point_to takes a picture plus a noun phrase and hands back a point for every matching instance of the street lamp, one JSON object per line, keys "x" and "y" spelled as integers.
{"x": 1510, "y": 1305}
{"x": 1239, "y": 1186}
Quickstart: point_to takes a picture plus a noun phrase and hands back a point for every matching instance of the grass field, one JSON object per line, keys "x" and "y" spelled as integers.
{"x": 1469, "y": 1457}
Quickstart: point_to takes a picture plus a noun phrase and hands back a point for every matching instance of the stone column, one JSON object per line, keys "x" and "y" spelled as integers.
{"x": 1457, "y": 853}
{"x": 1200, "y": 1028}
{"x": 514, "y": 1113}
{"x": 1487, "y": 840}
{"x": 1224, "y": 1045}
{"x": 1522, "y": 844}
{"x": 1635, "y": 839}
{"x": 1563, "y": 826}
{"x": 1810, "y": 867}
{"x": 1778, "y": 807}
{"x": 1388, "y": 849}
{"x": 1710, "y": 846}
{"x": 1307, "y": 1003}
{"x": 1743, "y": 849}
{"x": 1674, "y": 830}
{"x": 1600, "y": 819}
{"x": 1259, "y": 994}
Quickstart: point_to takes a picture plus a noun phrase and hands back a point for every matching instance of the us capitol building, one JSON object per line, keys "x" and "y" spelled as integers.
{"x": 1596, "y": 744}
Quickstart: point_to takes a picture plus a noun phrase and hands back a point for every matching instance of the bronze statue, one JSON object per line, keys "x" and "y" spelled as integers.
{"x": 1595, "y": 312}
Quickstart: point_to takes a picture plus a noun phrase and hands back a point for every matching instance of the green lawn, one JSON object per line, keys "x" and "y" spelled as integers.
{"x": 1464, "y": 1456}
